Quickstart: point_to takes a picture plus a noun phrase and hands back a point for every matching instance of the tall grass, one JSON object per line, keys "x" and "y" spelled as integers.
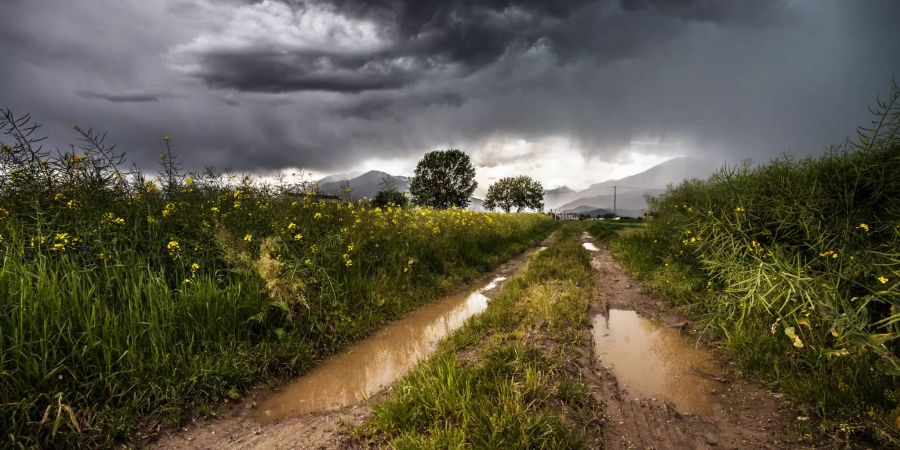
{"x": 511, "y": 390}
{"x": 797, "y": 263}
{"x": 124, "y": 298}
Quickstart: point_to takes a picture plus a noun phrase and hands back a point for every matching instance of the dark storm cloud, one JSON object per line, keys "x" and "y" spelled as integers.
{"x": 260, "y": 85}
{"x": 427, "y": 38}
{"x": 135, "y": 97}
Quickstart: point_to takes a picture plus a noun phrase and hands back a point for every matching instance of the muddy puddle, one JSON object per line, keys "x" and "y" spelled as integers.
{"x": 655, "y": 362}
{"x": 369, "y": 366}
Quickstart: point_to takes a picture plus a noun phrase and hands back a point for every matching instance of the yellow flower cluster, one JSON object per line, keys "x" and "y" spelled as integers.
{"x": 60, "y": 242}
{"x": 111, "y": 218}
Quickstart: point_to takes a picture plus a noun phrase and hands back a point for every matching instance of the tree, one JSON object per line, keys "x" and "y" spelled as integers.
{"x": 389, "y": 195}
{"x": 515, "y": 192}
{"x": 443, "y": 178}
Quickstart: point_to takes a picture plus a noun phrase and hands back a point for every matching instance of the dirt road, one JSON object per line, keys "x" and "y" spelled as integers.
{"x": 738, "y": 413}
{"x": 240, "y": 427}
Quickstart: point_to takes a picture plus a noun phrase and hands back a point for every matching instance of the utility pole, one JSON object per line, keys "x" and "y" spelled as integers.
{"x": 614, "y": 201}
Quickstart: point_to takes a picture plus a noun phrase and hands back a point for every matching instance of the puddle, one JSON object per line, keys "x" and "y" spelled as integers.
{"x": 589, "y": 246}
{"x": 374, "y": 363}
{"x": 652, "y": 361}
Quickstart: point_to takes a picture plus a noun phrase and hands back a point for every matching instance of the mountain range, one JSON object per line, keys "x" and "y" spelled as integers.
{"x": 597, "y": 199}
{"x": 629, "y": 191}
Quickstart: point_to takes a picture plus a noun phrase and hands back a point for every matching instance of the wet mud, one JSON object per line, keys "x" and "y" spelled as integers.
{"x": 658, "y": 389}
{"x": 375, "y": 363}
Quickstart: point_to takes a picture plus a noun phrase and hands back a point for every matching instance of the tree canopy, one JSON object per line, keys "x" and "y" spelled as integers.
{"x": 443, "y": 178}
{"x": 519, "y": 192}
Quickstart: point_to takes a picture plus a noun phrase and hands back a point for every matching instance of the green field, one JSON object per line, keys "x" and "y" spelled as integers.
{"x": 124, "y": 299}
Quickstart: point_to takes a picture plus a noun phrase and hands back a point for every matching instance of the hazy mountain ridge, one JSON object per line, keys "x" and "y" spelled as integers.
{"x": 630, "y": 193}
{"x": 366, "y": 185}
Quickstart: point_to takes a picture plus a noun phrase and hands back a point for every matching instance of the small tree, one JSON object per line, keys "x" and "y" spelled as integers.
{"x": 515, "y": 192}
{"x": 443, "y": 179}
{"x": 389, "y": 195}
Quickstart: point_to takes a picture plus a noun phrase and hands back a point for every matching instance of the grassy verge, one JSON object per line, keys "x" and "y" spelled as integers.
{"x": 795, "y": 265}
{"x": 505, "y": 380}
{"x": 124, "y": 298}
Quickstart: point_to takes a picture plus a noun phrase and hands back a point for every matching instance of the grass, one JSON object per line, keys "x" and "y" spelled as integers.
{"x": 795, "y": 265}
{"x": 504, "y": 380}
{"x": 125, "y": 299}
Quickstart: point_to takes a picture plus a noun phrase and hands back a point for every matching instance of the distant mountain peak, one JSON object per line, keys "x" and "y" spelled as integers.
{"x": 363, "y": 185}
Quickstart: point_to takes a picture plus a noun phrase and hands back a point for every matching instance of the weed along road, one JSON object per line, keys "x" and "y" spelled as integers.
{"x": 314, "y": 410}
{"x": 661, "y": 388}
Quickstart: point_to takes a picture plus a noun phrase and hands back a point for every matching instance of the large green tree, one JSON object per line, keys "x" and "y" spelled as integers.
{"x": 443, "y": 178}
{"x": 519, "y": 192}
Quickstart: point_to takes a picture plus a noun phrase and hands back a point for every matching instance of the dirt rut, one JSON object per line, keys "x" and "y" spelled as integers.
{"x": 239, "y": 427}
{"x": 743, "y": 414}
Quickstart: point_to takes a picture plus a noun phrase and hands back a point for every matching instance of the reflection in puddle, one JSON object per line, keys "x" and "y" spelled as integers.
{"x": 651, "y": 361}
{"x": 368, "y": 366}
{"x": 589, "y": 246}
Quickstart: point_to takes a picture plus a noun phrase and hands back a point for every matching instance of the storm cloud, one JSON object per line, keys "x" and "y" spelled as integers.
{"x": 326, "y": 85}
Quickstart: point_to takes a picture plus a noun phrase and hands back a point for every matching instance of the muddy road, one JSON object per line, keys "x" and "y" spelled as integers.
{"x": 316, "y": 410}
{"x": 659, "y": 388}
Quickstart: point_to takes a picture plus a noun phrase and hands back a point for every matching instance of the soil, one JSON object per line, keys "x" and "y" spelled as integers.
{"x": 744, "y": 414}
{"x": 236, "y": 428}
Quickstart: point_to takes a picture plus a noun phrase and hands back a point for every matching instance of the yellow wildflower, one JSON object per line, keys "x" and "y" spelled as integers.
{"x": 214, "y": 209}
{"x": 317, "y": 216}
{"x": 863, "y": 227}
{"x": 188, "y": 181}
{"x": 173, "y": 246}
{"x": 59, "y": 196}
{"x": 298, "y": 237}
{"x": 291, "y": 226}
{"x": 195, "y": 267}
{"x": 883, "y": 280}
{"x": 739, "y": 209}
{"x": 248, "y": 237}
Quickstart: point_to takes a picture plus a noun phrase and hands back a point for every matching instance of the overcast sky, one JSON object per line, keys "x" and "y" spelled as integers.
{"x": 569, "y": 91}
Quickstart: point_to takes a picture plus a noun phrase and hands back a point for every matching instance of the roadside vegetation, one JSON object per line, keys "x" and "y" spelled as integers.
{"x": 125, "y": 299}
{"x": 796, "y": 265}
{"x": 507, "y": 378}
